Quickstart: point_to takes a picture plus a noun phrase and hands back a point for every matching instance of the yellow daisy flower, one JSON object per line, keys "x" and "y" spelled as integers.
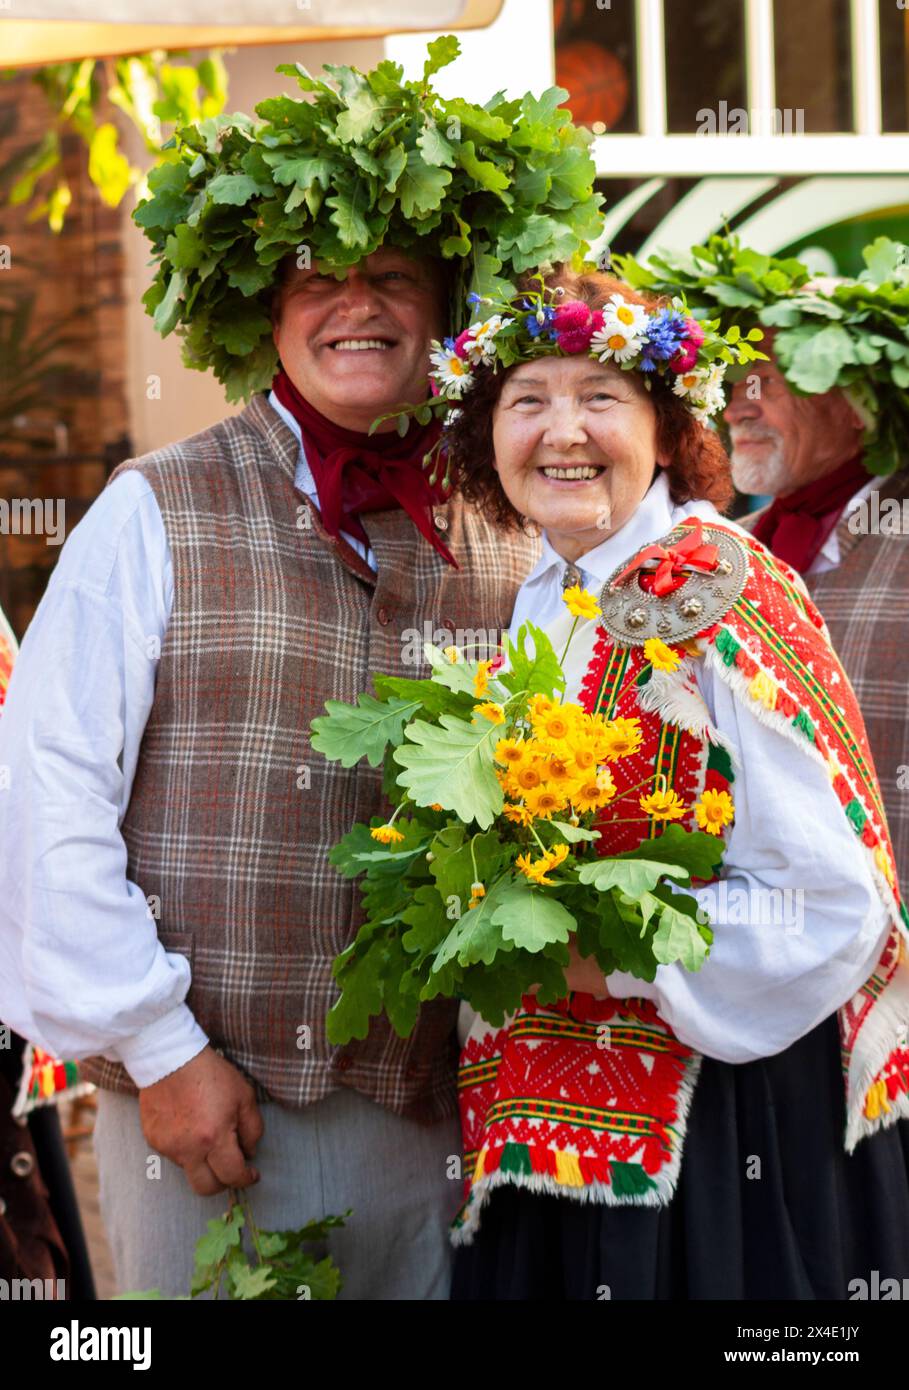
{"x": 538, "y": 705}
{"x": 550, "y": 860}
{"x": 491, "y": 711}
{"x": 583, "y": 755}
{"x": 558, "y": 771}
{"x": 663, "y": 805}
{"x": 594, "y": 728}
{"x": 621, "y": 738}
{"x": 481, "y": 679}
{"x": 661, "y": 657}
{"x": 554, "y": 726}
{"x": 386, "y": 835}
{"x": 518, "y": 814}
{"x": 580, "y": 603}
{"x": 557, "y": 855}
{"x": 544, "y": 803}
{"x": 594, "y": 793}
{"x": 537, "y": 869}
{"x": 528, "y": 778}
{"x": 511, "y": 751}
{"x": 713, "y": 811}
{"x": 525, "y": 864}
{"x": 587, "y": 797}
{"x": 477, "y": 893}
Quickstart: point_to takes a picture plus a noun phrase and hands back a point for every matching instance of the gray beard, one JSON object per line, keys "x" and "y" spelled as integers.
{"x": 761, "y": 477}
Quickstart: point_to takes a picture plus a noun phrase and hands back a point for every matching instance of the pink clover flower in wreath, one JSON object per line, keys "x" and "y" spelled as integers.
{"x": 575, "y": 324}
{"x": 461, "y": 341}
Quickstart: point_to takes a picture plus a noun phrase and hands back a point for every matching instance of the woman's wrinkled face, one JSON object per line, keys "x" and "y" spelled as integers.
{"x": 575, "y": 447}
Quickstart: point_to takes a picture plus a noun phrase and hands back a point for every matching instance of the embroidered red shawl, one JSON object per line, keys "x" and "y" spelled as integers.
{"x": 589, "y": 1098}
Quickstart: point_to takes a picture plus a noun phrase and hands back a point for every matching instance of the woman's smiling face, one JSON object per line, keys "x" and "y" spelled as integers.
{"x": 575, "y": 447}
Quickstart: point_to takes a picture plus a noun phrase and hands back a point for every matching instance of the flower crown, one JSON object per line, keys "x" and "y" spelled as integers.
{"x": 690, "y": 355}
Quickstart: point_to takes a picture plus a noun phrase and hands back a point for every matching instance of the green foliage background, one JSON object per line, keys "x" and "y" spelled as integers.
{"x": 852, "y": 335}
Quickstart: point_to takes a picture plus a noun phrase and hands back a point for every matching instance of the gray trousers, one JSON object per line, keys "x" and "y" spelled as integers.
{"x": 344, "y": 1151}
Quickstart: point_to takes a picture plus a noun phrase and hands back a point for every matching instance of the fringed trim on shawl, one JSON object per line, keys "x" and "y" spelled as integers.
{"x": 46, "y": 1081}
{"x": 877, "y": 1094}
{"x": 561, "y": 1173}
{"x": 675, "y": 698}
{"x": 878, "y": 1082}
{"x": 772, "y": 705}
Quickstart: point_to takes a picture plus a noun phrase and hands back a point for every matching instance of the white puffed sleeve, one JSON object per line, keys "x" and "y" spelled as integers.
{"x": 798, "y": 923}
{"x": 82, "y": 970}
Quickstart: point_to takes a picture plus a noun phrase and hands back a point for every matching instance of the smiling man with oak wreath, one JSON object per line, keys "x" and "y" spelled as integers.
{"x": 175, "y": 915}
{"x": 231, "y": 816}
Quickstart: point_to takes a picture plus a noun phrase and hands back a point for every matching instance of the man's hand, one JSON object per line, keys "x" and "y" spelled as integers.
{"x": 204, "y": 1118}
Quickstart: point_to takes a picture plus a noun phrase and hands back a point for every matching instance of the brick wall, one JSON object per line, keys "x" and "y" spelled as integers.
{"x": 62, "y": 450}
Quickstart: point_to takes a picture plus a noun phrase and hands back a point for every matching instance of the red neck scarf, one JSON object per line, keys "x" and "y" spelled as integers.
{"x": 357, "y": 472}
{"x": 795, "y": 527}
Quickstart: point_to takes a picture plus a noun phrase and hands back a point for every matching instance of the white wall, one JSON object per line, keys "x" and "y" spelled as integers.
{"x": 515, "y": 53}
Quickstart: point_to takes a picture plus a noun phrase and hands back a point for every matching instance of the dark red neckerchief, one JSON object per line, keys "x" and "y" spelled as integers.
{"x": 795, "y": 527}
{"x": 357, "y": 472}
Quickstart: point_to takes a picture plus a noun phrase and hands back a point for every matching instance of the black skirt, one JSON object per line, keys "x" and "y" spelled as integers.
{"x": 803, "y": 1222}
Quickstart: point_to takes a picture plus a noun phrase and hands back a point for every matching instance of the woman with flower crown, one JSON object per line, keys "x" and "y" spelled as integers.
{"x": 739, "y": 1132}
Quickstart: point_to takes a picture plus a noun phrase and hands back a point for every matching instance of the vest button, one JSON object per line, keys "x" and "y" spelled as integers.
{"x": 384, "y": 616}
{"x": 441, "y": 521}
{"x": 22, "y": 1164}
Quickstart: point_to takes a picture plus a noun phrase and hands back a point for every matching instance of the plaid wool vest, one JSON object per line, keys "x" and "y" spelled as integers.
{"x": 232, "y": 814}
{"x": 864, "y": 601}
{"x": 865, "y": 604}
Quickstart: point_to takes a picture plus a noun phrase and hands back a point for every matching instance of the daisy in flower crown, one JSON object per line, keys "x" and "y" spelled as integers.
{"x": 659, "y": 339}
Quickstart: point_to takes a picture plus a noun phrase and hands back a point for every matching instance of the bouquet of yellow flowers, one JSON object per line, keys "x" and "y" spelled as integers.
{"x": 488, "y": 866}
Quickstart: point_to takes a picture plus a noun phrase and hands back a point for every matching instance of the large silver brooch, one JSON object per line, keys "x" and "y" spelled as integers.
{"x": 712, "y": 572}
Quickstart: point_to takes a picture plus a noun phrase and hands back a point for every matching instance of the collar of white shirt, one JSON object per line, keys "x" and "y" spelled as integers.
{"x": 539, "y": 598}
{"x": 828, "y": 557}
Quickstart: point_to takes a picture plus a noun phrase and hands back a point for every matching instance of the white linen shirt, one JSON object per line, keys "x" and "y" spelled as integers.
{"x": 828, "y": 557}
{"x": 762, "y": 986}
{"x": 81, "y": 968}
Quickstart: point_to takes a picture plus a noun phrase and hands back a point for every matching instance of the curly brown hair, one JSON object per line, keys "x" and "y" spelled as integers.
{"x": 699, "y": 466}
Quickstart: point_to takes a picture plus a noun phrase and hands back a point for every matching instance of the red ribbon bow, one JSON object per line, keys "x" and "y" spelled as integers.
{"x": 689, "y": 553}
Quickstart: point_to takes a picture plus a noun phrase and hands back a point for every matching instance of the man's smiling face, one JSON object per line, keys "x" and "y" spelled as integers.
{"x": 358, "y": 347}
